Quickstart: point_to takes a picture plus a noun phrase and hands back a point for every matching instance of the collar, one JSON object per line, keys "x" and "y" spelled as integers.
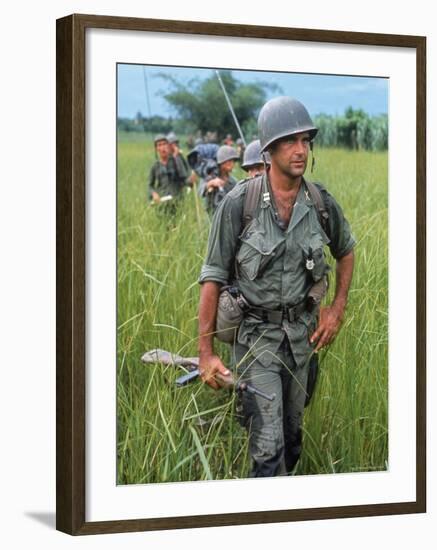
{"x": 301, "y": 206}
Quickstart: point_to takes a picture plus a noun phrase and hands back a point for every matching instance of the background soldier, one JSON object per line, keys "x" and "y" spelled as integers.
{"x": 168, "y": 175}
{"x": 239, "y": 144}
{"x": 276, "y": 260}
{"x": 173, "y": 142}
{"x": 228, "y": 140}
{"x": 219, "y": 180}
{"x": 253, "y": 162}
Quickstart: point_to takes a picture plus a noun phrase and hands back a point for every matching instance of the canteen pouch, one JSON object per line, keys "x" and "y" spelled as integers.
{"x": 230, "y": 313}
{"x": 318, "y": 291}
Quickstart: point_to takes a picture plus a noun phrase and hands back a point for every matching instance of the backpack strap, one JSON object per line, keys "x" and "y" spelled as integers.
{"x": 316, "y": 197}
{"x": 250, "y": 207}
{"x": 251, "y": 201}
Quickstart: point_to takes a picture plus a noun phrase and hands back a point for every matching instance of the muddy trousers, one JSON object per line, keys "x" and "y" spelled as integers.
{"x": 274, "y": 428}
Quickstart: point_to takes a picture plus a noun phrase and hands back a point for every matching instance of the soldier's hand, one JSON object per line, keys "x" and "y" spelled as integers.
{"x": 215, "y": 183}
{"x": 155, "y": 197}
{"x": 193, "y": 178}
{"x": 329, "y": 324}
{"x": 210, "y": 365}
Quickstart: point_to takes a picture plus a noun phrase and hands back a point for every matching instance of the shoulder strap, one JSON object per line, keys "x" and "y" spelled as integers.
{"x": 317, "y": 199}
{"x": 251, "y": 201}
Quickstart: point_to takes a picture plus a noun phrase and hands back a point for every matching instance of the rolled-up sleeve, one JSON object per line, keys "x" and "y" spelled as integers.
{"x": 341, "y": 237}
{"x": 223, "y": 239}
{"x": 180, "y": 167}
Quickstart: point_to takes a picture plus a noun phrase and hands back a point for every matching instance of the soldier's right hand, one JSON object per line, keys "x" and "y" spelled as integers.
{"x": 155, "y": 196}
{"x": 193, "y": 178}
{"x": 210, "y": 365}
{"x": 215, "y": 183}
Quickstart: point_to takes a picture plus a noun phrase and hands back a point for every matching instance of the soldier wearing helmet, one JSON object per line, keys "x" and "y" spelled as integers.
{"x": 219, "y": 179}
{"x": 276, "y": 261}
{"x": 253, "y": 161}
{"x": 168, "y": 175}
{"x": 240, "y": 146}
{"x": 173, "y": 142}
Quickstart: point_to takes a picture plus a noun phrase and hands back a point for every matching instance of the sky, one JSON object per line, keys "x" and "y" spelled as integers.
{"x": 329, "y": 94}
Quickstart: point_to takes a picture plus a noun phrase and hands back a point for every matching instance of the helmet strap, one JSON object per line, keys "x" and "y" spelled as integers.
{"x": 313, "y": 160}
{"x": 264, "y": 157}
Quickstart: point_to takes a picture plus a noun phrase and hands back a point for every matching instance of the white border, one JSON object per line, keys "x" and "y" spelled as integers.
{"x": 105, "y": 501}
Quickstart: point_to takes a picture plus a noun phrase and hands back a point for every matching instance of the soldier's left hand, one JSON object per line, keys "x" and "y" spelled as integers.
{"x": 329, "y": 324}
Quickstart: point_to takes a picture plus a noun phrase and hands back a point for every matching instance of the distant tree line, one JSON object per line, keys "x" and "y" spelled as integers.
{"x": 155, "y": 124}
{"x": 201, "y": 108}
{"x": 353, "y": 130}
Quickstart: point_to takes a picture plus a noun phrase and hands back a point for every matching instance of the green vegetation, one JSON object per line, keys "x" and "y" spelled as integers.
{"x": 354, "y": 130}
{"x": 203, "y": 105}
{"x": 169, "y": 434}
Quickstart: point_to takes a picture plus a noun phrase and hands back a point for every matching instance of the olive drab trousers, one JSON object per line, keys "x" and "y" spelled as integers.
{"x": 274, "y": 427}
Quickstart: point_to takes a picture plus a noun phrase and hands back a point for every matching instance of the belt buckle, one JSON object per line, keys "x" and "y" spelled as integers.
{"x": 288, "y": 313}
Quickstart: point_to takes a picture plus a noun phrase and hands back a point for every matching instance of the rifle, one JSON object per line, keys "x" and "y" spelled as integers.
{"x": 225, "y": 382}
{"x": 231, "y": 109}
{"x": 165, "y": 198}
{"x": 192, "y": 363}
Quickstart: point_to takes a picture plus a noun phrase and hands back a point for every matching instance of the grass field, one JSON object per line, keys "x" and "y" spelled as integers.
{"x": 170, "y": 434}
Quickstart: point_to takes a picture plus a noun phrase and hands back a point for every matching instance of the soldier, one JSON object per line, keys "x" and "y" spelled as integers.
{"x": 168, "y": 175}
{"x": 228, "y": 140}
{"x": 173, "y": 142}
{"x": 276, "y": 260}
{"x": 219, "y": 180}
{"x": 240, "y": 148}
{"x": 253, "y": 162}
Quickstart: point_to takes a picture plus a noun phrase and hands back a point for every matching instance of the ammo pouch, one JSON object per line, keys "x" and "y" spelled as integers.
{"x": 230, "y": 313}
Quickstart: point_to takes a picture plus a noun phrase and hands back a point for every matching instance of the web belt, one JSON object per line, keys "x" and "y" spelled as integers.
{"x": 276, "y": 316}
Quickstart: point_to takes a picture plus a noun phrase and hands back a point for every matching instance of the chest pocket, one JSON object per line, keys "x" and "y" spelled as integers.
{"x": 257, "y": 250}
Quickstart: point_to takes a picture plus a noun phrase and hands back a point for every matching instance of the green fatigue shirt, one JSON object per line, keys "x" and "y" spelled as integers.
{"x": 170, "y": 178}
{"x": 268, "y": 262}
{"x": 213, "y": 199}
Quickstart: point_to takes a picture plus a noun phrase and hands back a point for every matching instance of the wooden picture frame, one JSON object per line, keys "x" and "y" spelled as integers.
{"x": 71, "y": 274}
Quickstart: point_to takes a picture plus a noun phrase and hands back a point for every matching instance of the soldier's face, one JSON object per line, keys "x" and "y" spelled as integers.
{"x": 162, "y": 148}
{"x": 174, "y": 147}
{"x": 255, "y": 170}
{"x": 290, "y": 154}
{"x": 227, "y": 167}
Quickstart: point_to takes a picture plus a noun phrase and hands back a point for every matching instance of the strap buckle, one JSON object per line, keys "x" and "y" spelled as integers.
{"x": 289, "y": 313}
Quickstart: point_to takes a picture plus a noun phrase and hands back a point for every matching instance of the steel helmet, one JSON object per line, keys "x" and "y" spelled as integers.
{"x": 283, "y": 116}
{"x": 160, "y": 137}
{"x": 226, "y": 152}
{"x": 172, "y": 138}
{"x": 252, "y": 155}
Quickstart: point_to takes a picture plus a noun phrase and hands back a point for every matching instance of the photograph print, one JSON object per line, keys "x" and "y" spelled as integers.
{"x": 252, "y": 274}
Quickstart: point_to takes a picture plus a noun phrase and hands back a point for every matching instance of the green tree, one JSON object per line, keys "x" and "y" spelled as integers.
{"x": 202, "y": 102}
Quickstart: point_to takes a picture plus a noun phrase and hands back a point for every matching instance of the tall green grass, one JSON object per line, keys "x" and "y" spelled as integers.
{"x": 169, "y": 434}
